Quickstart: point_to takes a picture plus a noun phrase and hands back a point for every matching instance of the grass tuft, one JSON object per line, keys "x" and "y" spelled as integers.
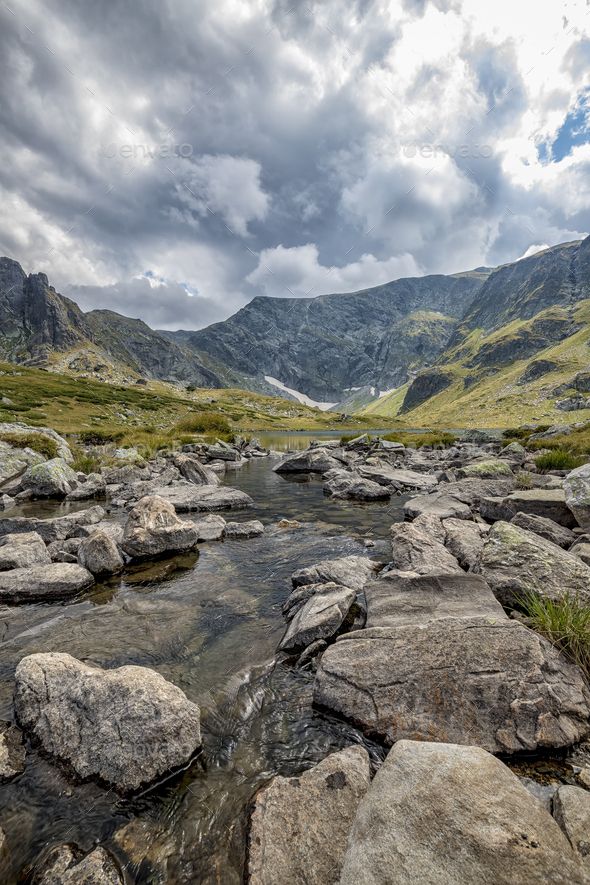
{"x": 44, "y": 445}
{"x": 203, "y": 422}
{"x": 558, "y": 459}
{"x": 565, "y": 622}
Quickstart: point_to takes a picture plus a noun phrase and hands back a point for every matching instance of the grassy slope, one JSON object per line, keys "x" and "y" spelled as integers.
{"x": 498, "y": 401}
{"x": 71, "y": 405}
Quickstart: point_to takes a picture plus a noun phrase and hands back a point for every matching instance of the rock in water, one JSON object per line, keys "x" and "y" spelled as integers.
{"x": 515, "y": 562}
{"x": 186, "y": 497}
{"x": 346, "y": 486}
{"x": 51, "y": 479}
{"x": 442, "y": 814}
{"x": 100, "y": 555}
{"x": 127, "y": 726}
{"x": 192, "y": 470}
{"x": 57, "y": 580}
{"x": 319, "y": 618}
{"x": 22, "y": 550}
{"x": 210, "y": 528}
{"x": 311, "y": 461}
{"x": 576, "y": 486}
{"x": 12, "y": 752}
{"x": 299, "y": 825}
{"x": 153, "y": 529}
{"x": 64, "y": 865}
{"x": 350, "y": 571}
{"x": 252, "y": 528}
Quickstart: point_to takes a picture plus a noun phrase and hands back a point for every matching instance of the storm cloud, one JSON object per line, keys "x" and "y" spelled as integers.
{"x": 173, "y": 160}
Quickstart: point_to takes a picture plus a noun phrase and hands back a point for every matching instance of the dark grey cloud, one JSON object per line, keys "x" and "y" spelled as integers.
{"x": 244, "y": 148}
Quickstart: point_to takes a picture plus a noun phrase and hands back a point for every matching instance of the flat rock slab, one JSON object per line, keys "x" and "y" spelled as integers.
{"x": 47, "y": 582}
{"x": 441, "y": 504}
{"x": 395, "y": 600}
{"x": 299, "y": 826}
{"x": 485, "y": 681}
{"x": 546, "y": 528}
{"x": 58, "y": 529}
{"x": 441, "y": 814}
{"x": 399, "y": 479}
{"x": 252, "y": 528}
{"x": 350, "y": 571}
{"x": 187, "y": 498}
{"x": 549, "y": 503}
{"x": 320, "y": 617}
{"x": 22, "y": 550}
{"x": 515, "y": 562}
{"x": 127, "y": 726}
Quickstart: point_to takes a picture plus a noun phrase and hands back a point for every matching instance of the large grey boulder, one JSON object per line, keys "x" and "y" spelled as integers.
{"x": 154, "y": 529}
{"x": 100, "y": 555}
{"x": 320, "y": 617}
{"x": 57, "y": 529}
{"x": 414, "y": 550}
{"x": 464, "y": 539}
{"x": 194, "y": 471}
{"x": 441, "y": 814}
{"x": 439, "y": 504}
{"x": 576, "y": 486}
{"x": 127, "y": 726}
{"x": 516, "y": 562}
{"x": 299, "y": 826}
{"x": 22, "y": 550}
{"x": 473, "y": 680}
{"x": 66, "y": 865}
{"x": 571, "y": 809}
{"x": 318, "y": 460}
{"x": 545, "y": 528}
{"x": 50, "y": 479}
{"x": 549, "y": 503}
{"x": 346, "y": 486}
{"x": 186, "y": 497}
{"x": 46, "y": 582}
{"x": 350, "y": 571}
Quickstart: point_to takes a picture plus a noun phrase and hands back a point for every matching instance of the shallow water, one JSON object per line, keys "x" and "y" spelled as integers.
{"x": 210, "y": 622}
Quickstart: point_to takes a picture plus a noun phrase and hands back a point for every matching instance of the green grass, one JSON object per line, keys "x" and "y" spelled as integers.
{"x": 417, "y": 440}
{"x": 565, "y": 622}
{"x": 558, "y": 459}
{"x": 99, "y": 437}
{"x": 44, "y": 445}
{"x": 203, "y": 422}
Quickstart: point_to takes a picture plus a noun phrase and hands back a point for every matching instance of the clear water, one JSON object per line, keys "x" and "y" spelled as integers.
{"x": 210, "y": 622}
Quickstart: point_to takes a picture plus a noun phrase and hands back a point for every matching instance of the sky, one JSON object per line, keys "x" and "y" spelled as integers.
{"x": 171, "y": 160}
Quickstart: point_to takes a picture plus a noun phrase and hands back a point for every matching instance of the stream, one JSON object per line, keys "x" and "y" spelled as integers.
{"x": 210, "y": 623}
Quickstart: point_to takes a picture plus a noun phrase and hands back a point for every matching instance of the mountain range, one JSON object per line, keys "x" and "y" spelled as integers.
{"x": 432, "y": 347}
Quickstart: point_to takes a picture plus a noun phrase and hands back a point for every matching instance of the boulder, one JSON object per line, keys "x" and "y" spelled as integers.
{"x": 582, "y": 551}
{"x": 94, "y": 486}
{"x": 571, "y": 809}
{"x": 441, "y": 505}
{"x": 515, "y": 562}
{"x": 64, "y": 551}
{"x": 317, "y": 460}
{"x": 187, "y": 497}
{"x": 545, "y": 528}
{"x": 298, "y": 597}
{"x": 576, "y": 486}
{"x": 22, "y": 551}
{"x": 514, "y": 452}
{"x": 12, "y": 752}
{"x": 443, "y": 814}
{"x": 194, "y": 471}
{"x": 47, "y": 582}
{"x": 320, "y": 617}
{"x": 414, "y": 550}
{"x": 210, "y": 528}
{"x": 299, "y": 826}
{"x": 127, "y": 726}
{"x": 50, "y": 479}
{"x": 464, "y": 540}
{"x": 67, "y": 865}
{"x": 486, "y": 469}
{"x": 398, "y": 480}
{"x": 14, "y": 461}
{"x": 252, "y": 528}
{"x": 483, "y": 680}
{"x": 223, "y": 452}
{"x": 63, "y": 449}
{"x": 347, "y": 486}
{"x": 154, "y": 529}
{"x": 350, "y": 571}
{"x": 549, "y": 503}
{"x": 57, "y": 529}
{"x": 100, "y": 555}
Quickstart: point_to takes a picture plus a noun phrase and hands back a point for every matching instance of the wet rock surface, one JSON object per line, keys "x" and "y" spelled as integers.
{"x": 53, "y": 581}
{"x": 153, "y": 529}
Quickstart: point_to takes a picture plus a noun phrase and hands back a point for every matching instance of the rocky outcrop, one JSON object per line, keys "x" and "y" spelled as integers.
{"x": 441, "y": 813}
{"x": 299, "y": 826}
{"x": 347, "y": 486}
{"x": 58, "y": 529}
{"x": 51, "y": 479}
{"x": 576, "y": 487}
{"x": 516, "y": 562}
{"x": 441, "y": 505}
{"x": 22, "y": 551}
{"x": 415, "y": 550}
{"x": 187, "y": 497}
{"x": 424, "y": 386}
{"x": 349, "y": 571}
{"x": 154, "y": 529}
{"x": 194, "y": 471}
{"x": 20, "y": 429}
{"x": 210, "y": 528}
{"x": 45, "y": 582}
{"x": 316, "y": 460}
{"x": 545, "y": 528}
{"x": 320, "y": 617}
{"x": 398, "y": 479}
{"x": 549, "y": 503}
{"x": 126, "y": 726}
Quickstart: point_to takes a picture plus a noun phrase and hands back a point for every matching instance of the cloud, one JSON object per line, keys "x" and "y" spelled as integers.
{"x": 340, "y": 144}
